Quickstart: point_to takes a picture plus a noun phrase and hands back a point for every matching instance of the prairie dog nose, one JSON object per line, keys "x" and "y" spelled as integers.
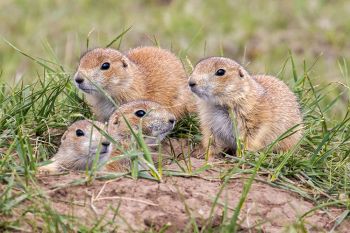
{"x": 172, "y": 121}
{"x": 78, "y": 79}
{"x": 192, "y": 84}
{"x": 106, "y": 144}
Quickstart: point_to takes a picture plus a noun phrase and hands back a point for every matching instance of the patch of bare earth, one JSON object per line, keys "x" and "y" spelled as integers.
{"x": 138, "y": 205}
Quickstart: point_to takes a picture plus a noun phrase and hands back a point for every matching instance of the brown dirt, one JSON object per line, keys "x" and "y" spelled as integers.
{"x": 143, "y": 204}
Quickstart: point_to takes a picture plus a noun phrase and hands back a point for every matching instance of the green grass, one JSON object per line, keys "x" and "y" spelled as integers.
{"x": 38, "y": 100}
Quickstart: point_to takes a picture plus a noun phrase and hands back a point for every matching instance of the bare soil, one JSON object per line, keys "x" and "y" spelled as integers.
{"x": 139, "y": 205}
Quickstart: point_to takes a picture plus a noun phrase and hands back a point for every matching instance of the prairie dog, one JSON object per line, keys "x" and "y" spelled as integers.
{"x": 264, "y": 106}
{"x": 148, "y": 73}
{"x": 154, "y": 119}
{"x": 79, "y": 146}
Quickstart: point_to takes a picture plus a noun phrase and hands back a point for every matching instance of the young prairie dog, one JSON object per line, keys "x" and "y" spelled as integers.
{"x": 142, "y": 73}
{"x": 263, "y": 106}
{"x": 79, "y": 146}
{"x": 154, "y": 119}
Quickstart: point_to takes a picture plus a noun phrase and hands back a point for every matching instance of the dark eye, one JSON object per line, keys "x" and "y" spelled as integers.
{"x": 105, "y": 66}
{"x": 140, "y": 113}
{"x": 79, "y": 133}
{"x": 220, "y": 72}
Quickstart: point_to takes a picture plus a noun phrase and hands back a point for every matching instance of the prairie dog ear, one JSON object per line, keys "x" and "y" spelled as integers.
{"x": 64, "y": 136}
{"x": 241, "y": 73}
{"x": 125, "y": 62}
{"x": 115, "y": 120}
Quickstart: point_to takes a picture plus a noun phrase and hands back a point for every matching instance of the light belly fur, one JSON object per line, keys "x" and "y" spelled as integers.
{"x": 220, "y": 123}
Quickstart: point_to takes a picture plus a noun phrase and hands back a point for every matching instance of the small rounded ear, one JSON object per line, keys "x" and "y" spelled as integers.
{"x": 64, "y": 136}
{"x": 115, "y": 120}
{"x": 124, "y": 62}
{"x": 240, "y": 73}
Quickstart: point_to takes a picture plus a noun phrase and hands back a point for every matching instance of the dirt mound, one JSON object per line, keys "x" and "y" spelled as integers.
{"x": 136, "y": 205}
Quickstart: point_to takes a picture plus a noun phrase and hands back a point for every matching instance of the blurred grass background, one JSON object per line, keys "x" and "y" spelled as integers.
{"x": 258, "y": 34}
{"x": 255, "y": 33}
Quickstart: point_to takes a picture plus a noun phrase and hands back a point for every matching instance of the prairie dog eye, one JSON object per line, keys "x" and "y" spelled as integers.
{"x": 220, "y": 72}
{"x": 105, "y": 66}
{"x": 79, "y": 133}
{"x": 140, "y": 113}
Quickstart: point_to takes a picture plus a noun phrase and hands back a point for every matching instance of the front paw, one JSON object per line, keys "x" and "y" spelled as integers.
{"x": 48, "y": 169}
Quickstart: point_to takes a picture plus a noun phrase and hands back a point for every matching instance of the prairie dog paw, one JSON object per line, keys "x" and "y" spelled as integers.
{"x": 48, "y": 169}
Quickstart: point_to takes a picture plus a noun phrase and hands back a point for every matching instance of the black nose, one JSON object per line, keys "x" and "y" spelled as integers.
{"x": 172, "y": 121}
{"x": 106, "y": 143}
{"x": 79, "y": 80}
{"x": 192, "y": 84}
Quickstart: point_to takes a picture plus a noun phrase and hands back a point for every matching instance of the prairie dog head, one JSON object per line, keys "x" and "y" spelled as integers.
{"x": 80, "y": 144}
{"x": 103, "y": 67}
{"x": 219, "y": 80}
{"x": 156, "y": 121}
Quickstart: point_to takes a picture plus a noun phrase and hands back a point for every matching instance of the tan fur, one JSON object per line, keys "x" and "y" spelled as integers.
{"x": 142, "y": 73}
{"x": 155, "y": 125}
{"x": 78, "y": 152}
{"x": 264, "y": 107}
